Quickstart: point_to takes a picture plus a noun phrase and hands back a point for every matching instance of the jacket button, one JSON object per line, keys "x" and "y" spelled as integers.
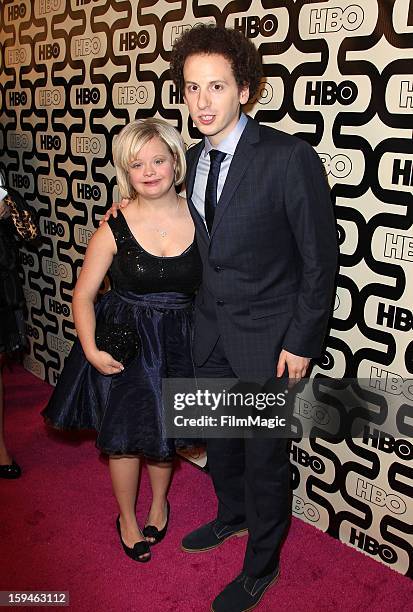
{"x": 220, "y": 302}
{"x": 218, "y": 268}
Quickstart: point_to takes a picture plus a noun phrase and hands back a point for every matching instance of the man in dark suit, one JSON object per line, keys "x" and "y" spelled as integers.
{"x": 266, "y": 233}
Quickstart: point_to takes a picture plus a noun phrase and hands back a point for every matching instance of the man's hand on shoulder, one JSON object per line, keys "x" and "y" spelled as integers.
{"x": 297, "y": 366}
{"x": 113, "y": 210}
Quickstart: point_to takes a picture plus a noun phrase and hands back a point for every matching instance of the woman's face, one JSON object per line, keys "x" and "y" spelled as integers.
{"x": 152, "y": 173}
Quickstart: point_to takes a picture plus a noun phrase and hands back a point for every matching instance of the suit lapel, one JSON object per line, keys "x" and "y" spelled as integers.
{"x": 190, "y": 181}
{"x": 192, "y": 160}
{"x": 242, "y": 157}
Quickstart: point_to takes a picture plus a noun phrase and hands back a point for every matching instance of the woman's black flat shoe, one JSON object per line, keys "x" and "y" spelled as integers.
{"x": 139, "y": 549}
{"x": 150, "y": 531}
{"x": 10, "y": 471}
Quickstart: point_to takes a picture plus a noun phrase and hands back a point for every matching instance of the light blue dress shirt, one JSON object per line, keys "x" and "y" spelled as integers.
{"x": 228, "y": 146}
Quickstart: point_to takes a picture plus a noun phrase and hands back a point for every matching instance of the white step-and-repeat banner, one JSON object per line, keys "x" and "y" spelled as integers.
{"x": 338, "y": 74}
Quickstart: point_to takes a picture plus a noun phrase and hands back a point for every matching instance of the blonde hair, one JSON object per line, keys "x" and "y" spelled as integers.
{"x": 133, "y": 137}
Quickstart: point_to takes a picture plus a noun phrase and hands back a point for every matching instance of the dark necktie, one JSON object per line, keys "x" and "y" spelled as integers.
{"x": 216, "y": 158}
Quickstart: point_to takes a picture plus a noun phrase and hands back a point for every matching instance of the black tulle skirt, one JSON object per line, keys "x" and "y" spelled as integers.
{"x": 126, "y": 409}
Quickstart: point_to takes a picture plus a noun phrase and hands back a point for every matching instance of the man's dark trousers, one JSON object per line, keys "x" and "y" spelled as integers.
{"x": 251, "y": 478}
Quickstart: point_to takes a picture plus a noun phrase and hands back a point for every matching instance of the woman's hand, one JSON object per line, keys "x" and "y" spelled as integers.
{"x": 104, "y": 363}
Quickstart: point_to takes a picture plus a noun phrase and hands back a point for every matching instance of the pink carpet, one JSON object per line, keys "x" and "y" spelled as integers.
{"x": 57, "y": 532}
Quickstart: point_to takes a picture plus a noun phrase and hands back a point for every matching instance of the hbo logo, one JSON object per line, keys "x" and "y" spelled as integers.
{"x": 301, "y": 457}
{"x": 252, "y": 26}
{"x": 16, "y": 11}
{"x": 85, "y": 95}
{"x": 58, "y": 308}
{"x": 372, "y": 547}
{"x": 88, "y": 192}
{"x": 54, "y": 229}
{"x": 339, "y": 165}
{"x": 32, "y": 332}
{"x": 299, "y": 506}
{"x": 26, "y": 259}
{"x": 49, "y": 142}
{"x": 328, "y": 92}
{"x": 49, "y": 51}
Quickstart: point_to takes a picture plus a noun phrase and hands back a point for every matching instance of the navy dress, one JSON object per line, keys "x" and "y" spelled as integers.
{"x": 155, "y": 295}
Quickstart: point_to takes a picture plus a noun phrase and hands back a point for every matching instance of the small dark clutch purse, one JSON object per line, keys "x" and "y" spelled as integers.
{"x": 121, "y": 342}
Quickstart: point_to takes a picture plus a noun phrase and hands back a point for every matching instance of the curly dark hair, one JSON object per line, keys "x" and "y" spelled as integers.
{"x": 210, "y": 39}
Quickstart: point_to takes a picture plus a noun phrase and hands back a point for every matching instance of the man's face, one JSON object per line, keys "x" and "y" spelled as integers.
{"x": 212, "y": 95}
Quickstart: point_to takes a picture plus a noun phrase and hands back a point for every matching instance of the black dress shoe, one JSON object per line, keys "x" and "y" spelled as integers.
{"x": 211, "y": 535}
{"x": 150, "y": 531}
{"x": 10, "y": 471}
{"x": 139, "y": 549}
{"x": 243, "y": 593}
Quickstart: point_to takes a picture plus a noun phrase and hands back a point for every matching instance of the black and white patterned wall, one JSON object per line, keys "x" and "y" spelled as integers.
{"x": 73, "y": 72}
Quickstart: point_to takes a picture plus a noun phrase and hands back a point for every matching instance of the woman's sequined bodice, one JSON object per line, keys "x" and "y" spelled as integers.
{"x": 134, "y": 269}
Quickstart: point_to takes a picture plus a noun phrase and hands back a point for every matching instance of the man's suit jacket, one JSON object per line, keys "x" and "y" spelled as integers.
{"x": 270, "y": 262}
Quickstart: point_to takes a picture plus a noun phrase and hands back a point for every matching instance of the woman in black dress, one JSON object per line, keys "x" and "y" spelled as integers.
{"x": 12, "y": 325}
{"x": 155, "y": 269}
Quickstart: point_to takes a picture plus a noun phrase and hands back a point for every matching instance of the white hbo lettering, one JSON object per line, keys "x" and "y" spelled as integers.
{"x": 406, "y": 94}
{"x": 398, "y": 246}
{"x": 327, "y": 20}
{"x": 129, "y": 94}
{"x": 84, "y": 144}
{"x": 377, "y": 496}
{"x": 299, "y": 506}
{"x": 18, "y": 141}
{"x": 339, "y": 165}
{"x": 87, "y": 46}
{"x": 16, "y": 56}
{"x": 178, "y": 30}
{"x": 319, "y": 414}
{"x": 83, "y": 235}
{"x": 49, "y": 97}
{"x": 391, "y": 382}
{"x": 49, "y": 6}
{"x": 49, "y": 185}
{"x": 57, "y": 344}
{"x": 55, "y": 269}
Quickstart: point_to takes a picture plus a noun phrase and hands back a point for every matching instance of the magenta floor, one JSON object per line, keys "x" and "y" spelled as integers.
{"x": 57, "y": 533}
